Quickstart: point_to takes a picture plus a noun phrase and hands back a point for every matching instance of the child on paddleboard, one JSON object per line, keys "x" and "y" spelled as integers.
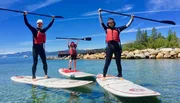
{"x": 73, "y": 53}
{"x": 113, "y": 43}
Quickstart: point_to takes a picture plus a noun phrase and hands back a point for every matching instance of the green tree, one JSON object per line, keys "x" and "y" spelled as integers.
{"x": 172, "y": 39}
{"x": 154, "y": 34}
{"x": 155, "y": 40}
{"x": 138, "y": 35}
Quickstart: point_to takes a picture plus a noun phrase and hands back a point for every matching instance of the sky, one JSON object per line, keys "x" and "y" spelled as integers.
{"x": 81, "y": 20}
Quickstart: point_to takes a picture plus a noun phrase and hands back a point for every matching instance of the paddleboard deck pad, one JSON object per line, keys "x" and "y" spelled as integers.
{"x": 50, "y": 82}
{"x": 124, "y": 88}
{"x": 75, "y": 73}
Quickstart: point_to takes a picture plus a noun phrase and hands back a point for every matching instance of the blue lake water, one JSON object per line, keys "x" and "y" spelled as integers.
{"x": 162, "y": 76}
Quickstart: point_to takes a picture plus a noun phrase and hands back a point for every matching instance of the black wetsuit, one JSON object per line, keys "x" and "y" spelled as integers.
{"x": 113, "y": 47}
{"x": 38, "y": 49}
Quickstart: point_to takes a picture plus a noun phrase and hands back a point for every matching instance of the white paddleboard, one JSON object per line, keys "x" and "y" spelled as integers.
{"x": 74, "y": 73}
{"x": 124, "y": 88}
{"x": 50, "y": 82}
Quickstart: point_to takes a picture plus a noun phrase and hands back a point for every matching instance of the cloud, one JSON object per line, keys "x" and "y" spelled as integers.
{"x": 140, "y": 12}
{"x": 30, "y": 7}
{"x": 132, "y": 30}
{"x": 124, "y": 9}
{"x": 163, "y": 4}
{"x": 154, "y": 11}
{"x": 41, "y": 4}
{"x": 25, "y": 43}
{"x": 150, "y": 28}
{"x": 80, "y": 18}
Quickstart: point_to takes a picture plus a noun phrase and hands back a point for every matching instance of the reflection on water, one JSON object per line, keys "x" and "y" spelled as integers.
{"x": 159, "y": 75}
{"x": 38, "y": 96}
{"x": 74, "y": 98}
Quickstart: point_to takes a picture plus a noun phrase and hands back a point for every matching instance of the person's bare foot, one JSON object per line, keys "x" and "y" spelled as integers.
{"x": 121, "y": 78}
{"x": 104, "y": 78}
{"x": 34, "y": 79}
{"x": 46, "y": 77}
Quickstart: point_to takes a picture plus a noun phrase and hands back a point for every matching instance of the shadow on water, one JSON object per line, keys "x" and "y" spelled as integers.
{"x": 41, "y": 96}
{"x": 36, "y": 98}
{"x": 74, "y": 98}
{"x": 85, "y": 78}
{"x": 75, "y": 95}
{"x": 110, "y": 98}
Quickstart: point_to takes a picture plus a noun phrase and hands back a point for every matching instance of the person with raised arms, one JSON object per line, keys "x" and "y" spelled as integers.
{"x": 73, "y": 53}
{"x": 39, "y": 39}
{"x": 113, "y": 43}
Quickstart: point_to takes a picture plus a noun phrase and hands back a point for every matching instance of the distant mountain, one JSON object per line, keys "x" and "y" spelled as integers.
{"x": 28, "y": 53}
{"x": 55, "y": 53}
{"x": 18, "y": 54}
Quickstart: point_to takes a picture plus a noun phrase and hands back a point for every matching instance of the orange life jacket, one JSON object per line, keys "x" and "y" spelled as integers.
{"x": 112, "y": 35}
{"x": 40, "y": 38}
{"x": 72, "y": 50}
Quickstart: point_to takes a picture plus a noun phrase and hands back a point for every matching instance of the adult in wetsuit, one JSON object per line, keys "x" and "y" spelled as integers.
{"x": 39, "y": 38}
{"x": 113, "y": 43}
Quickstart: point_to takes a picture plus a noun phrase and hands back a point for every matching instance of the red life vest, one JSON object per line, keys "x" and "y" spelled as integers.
{"x": 112, "y": 35}
{"x": 72, "y": 50}
{"x": 40, "y": 38}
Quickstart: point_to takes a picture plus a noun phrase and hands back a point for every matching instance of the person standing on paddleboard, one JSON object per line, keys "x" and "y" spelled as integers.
{"x": 113, "y": 42}
{"x": 39, "y": 39}
{"x": 73, "y": 53}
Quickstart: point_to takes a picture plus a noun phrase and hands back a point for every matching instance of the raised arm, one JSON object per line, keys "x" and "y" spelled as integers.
{"x": 77, "y": 42}
{"x": 50, "y": 24}
{"x": 130, "y": 21}
{"x": 101, "y": 20}
{"x": 68, "y": 42}
{"x": 128, "y": 24}
{"x": 100, "y": 16}
{"x": 27, "y": 23}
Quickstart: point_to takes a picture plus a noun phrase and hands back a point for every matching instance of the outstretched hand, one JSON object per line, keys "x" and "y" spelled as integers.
{"x": 53, "y": 17}
{"x": 132, "y": 16}
{"x": 99, "y": 10}
{"x": 25, "y": 12}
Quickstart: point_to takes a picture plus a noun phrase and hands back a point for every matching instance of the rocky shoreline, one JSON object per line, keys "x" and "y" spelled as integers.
{"x": 161, "y": 53}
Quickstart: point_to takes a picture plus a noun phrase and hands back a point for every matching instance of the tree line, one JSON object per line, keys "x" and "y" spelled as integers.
{"x": 154, "y": 40}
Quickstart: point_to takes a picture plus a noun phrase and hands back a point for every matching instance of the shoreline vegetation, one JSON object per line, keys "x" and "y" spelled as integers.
{"x": 146, "y": 46}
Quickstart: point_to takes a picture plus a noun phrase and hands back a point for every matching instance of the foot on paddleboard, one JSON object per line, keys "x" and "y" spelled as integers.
{"x": 69, "y": 68}
{"x": 121, "y": 78}
{"x": 46, "y": 77}
{"x": 34, "y": 79}
{"x": 104, "y": 78}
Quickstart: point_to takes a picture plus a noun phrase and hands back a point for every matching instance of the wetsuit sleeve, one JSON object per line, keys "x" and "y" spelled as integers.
{"x": 101, "y": 21}
{"x": 121, "y": 28}
{"x": 28, "y": 25}
{"x": 104, "y": 26}
{"x": 50, "y": 24}
{"x": 125, "y": 26}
